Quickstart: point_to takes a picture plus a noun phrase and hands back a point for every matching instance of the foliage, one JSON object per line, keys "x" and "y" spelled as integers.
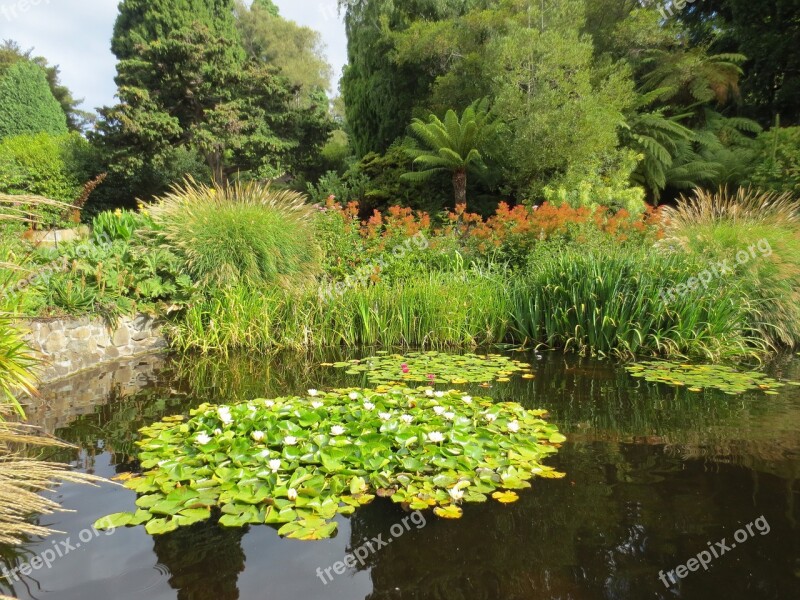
{"x": 244, "y": 233}
{"x": 43, "y": 165}
{"x": 777, "y": 166}
{"x": 610, "y": 300}
{"x": 451, "y": 146}
{"x": 764, "y": 227}
{"x": 16, "y": 366}
{"x": 235, "y": 112}
{"x": 27, "y": 106}
{"x": 698, "y": 377}
{"x": 434, "y": 367}
{"x": 301, "y": 461}
{"x": 118, "y": 225}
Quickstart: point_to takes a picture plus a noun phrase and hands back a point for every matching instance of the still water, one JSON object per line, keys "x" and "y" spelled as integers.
{"x": 655, "y": 477}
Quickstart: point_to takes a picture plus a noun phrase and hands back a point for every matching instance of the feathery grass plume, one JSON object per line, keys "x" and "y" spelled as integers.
{"x": 241, "y": 234}
{"x": 758, "y": 234}
{"x": 22, "y": 208}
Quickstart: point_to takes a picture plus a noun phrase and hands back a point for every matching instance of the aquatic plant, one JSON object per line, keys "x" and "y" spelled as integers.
{"x": 298, "y": 462}
{"x": 434, "y": 367}
{"x": 699, "y": 377}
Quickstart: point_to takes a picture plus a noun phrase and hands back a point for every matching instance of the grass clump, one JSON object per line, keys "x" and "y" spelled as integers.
{"x": 241, "y": 234}
{"x": 757, "y": 234}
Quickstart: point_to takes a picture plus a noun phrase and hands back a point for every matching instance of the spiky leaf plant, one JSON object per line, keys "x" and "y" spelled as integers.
{"x": 241, "y": 234}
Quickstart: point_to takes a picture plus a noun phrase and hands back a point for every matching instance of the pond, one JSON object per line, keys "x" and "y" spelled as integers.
{"x": 661, "y": 484}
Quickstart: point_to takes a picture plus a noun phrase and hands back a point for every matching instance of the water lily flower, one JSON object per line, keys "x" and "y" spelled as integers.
{"x": 456, "y": 494}
{"x": 313, "y": 392}
{"x": 467, "y": 399}
{"x": 353, "y": 395}
{"x": 491, "y": 417}
{"x": 218, "y": 431}
{"x": 369, "y": 405}
{"x": 289, "y": 440}
{"x": 202, "y": 439}
{"x": 429, "y": 392}
{"x": 439, "y": 409}
{"x": 406, "y": 418}
{"x": 292, "y": 494}
{"x": 337, "y": 430}
{"x": 316, "y": 404}
{"x": 449, "y": 415}
{"x": 438, "y": 394}
{"x": 225, "y": 415}
{"x": 275, "y": 464}
{"x": 404, "y": 368}
{"x": 257, "y": 435}
{"x": 385, "y": 416}
{"x": 431, "y": 376}
{"x": 269, "y": 403}
{"x": 435, "y": 437}
{"x": 513, "y": 426}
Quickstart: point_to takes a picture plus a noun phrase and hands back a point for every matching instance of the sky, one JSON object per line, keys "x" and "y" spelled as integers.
{"x": 76, "y": 35}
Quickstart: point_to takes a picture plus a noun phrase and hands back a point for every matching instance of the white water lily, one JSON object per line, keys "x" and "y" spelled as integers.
{"x": 218, "y": 431}
{"x": 467, "y": 399}
{"x": 513, "y": 426}
{"x": 225, "y": 415}
{"x": 456, "y": 494}
{"x": 289, "y": 440}
{"x": 385, "y": 416}
{"x": 292, "y": 494}
{"x": 438, "y": 394}
{"x": 407, "y": 418}
{"x": 275, "y": 464}
{"x": 202, "y": 438}
{"x": 439, "y": 409}
{"x": 316, "y": 404}
{"x": 269, "y": 403}
{"x": 429, "y": 392}
{"x": 449, "y": 415}
{"x": 435, "y": 437}
{"x": 353, "y": 395}
{"x": 491, "y": 417}
{"x": 369, "y": 405}
{"x": 257, "y": 435}
{"x": 337, "y": 430}
{"x": 313, "y": 392}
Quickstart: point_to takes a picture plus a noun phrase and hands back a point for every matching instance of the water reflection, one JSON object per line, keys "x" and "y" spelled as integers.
{"x": 653, "y": 475}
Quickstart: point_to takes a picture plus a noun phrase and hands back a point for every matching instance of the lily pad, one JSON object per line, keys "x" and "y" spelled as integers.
{"x": 264, "y": 462}
{"x": 700, "y": 377}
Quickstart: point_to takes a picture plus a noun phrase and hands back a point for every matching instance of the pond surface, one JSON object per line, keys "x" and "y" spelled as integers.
{"x": 655, "y": 477}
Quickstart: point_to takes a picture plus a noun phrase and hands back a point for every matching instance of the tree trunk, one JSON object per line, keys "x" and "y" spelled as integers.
{"x": 460, "y": 187}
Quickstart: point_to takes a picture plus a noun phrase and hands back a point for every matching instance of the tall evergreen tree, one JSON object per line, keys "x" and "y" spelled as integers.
{"x": 27, "y": 104}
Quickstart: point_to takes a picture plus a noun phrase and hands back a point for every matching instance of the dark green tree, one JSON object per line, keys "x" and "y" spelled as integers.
{"x": 27, "y": 106}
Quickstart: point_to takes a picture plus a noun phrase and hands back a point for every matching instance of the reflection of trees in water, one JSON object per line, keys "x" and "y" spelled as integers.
{"x": 623, "y": 512}
{"x": 205, "y": 561}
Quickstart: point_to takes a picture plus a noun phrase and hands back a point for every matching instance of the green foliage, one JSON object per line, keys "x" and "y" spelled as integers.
{"x": 27, "y": 106}
{"x": 699, "y": 377}
{"x": 246, "y": 234}
{"x": 16, "y": 365}
{"x": 777, "y": 166}
{"x": 43, "y": 165}
{"x": 610, "y": 300}
{"x": 316, "y": 457}
{"x": 118, "y": 225}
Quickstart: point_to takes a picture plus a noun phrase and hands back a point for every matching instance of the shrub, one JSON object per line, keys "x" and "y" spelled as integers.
{"x": 243, "y": 234}
{"x": 778, "y": 165}
{"x": 718, "y": 226}
{"x": 27, "y": 105}
{"x": 43, "y": 165}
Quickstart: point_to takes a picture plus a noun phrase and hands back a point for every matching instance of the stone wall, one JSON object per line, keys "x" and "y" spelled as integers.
{"x": 70, "y": 345}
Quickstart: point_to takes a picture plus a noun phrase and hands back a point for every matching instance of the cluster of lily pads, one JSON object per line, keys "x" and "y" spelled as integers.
{"x": 699, "y": 377}
{"x": 435, "y": 367}
{"x": 297, "y": 462}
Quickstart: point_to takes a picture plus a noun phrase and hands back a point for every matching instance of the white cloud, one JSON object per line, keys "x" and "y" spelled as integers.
{"x": 76, "y": 35}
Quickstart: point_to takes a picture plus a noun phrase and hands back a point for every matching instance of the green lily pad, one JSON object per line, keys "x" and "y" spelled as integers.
{"x": 700, "y": 377}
